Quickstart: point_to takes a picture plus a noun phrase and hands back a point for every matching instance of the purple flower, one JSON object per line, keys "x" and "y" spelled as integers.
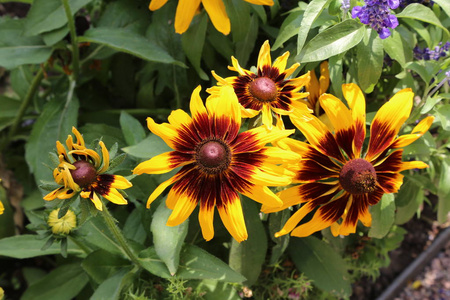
{"x": 432, "y": 54}
{"x": 377, "y": 15}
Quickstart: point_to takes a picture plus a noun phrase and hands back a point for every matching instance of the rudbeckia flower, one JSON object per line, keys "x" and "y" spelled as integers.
{"x": 217, "y": 163}
{"x": 186, "y": 10}
{"x": 338, "y": 181}
{"x": 267, "y": 91}
{"x": 63, "y": 225}
{"x": 81, "y": 170}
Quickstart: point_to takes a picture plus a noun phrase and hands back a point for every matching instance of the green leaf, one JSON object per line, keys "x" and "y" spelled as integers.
{"x": 133, "y": 228}
{"x": 445, "y": 5}
{"x": 148, "y": 147}
{"x": 196, "y": 263}
{"x": 383, "y": 215}
{"x": 111, "y": 288}
{"x": 423, "y": 69}
{"x": 193, "y": 41}
{"x": 54, "y": 123}
{"x": 8, "y": 107}
{"x": 276, "y": 222}
{"x": 408, "y": 200}
{"x": 370, "y": 56}
{"x": 168, "y": 240}
{"x": 21, "y": 79}
{"x": 131, "y": 128}
{"x": 444, "y": 191}
{"x": 239, "y": 13}
{"x": 248, "y": 256}
{"x": 422, "y": 13}
{"x": 27, "y": 245}
{"x": 16, "y": 50}
{"x": 46, "y": 15}
{"x": 64, "y": 282}
{"x": 398, "y": 49}
{"x": 319, "y": 262}
{"x": 332, "y": 41}
{"x": 129, "y": 42}
{"x": 245, "y": 46}
{"x": 218, "y": 290}
{"x": 125, "y": 14}
{"x": 289, "y": 28}
{"x": 101, "y": 264}
{"x": 443, "y": 114}
{"x": 152, "y": 263}
{"x": 313, "y": 10}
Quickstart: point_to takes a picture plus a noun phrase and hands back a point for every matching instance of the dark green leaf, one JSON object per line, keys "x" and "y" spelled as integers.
{"x": 133, "y": 228}
{"x": 245, "y": 46}
{"x": 152, "y": 263}
{"x": 168, "y": 240}
{"x": 289, "y": 28}
{"x": 313, "y": 10}
{"x": 443, "y": 115}
{"x": 101, "y": 264}
{"x": 383, "y": 215}
{"x": 8, "y": 107}
{"x": 125, "y": 14}
{"x": 21, "y": 79}
{"x": 52, "y": 37}
{"x": 370, "y": 56}
{"x": 276, "y": 222}
{"x": 129, "y": 42}
{"x": 111, "y": 288}
{"x": 193, "y": 41}
{"x": 444, "y": 191}
{"x": 248, "y": 256}
{"x": 422, "y": 13}
{"x": 332, "y": 41}
{"x": 46, "y": 15}
{"x": 64, "y": 282}
{"x": 27, "y": 245}
{"x": 409, "y": 198}
{"x": 319, "y": 262}
{"x": 196, "y": 263}
{"x": 131, "y": 128}
{"x": 148, "y": 147}
{"x": 95, "y": 232}
{"x": 239, "y": 14}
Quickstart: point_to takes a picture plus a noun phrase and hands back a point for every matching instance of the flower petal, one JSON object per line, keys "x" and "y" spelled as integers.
{"x": 205, "y": 218}
{"x": 261, "y": 2}
{"x": 218, "y": 15}
{"x": 281, "y": 61}
{"x": 120, "y": 182}
{"x": 277, "y": 155}
{"x": 115, "y": 197}
{"x": 416, "y": 133}
{"x": 264, "y": 58}
{"x": 271, "y": 175}
{"x": 186, "y": 10}
{"x": 182, "y": 210}
{"x": 163, "y": 163}
{"x": 105, "y": 158}
{"x": 295, "y": 219}
{"x": 165, "y": 131}
{"x": 160, "y": 189}
{"x": 156, "y": 4}
{"x": 196, "y": 105}
{"x": 264, "y": 195}
{"x": 233, "y": 218}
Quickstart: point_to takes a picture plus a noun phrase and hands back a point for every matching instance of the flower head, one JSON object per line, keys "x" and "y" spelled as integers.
{"x": 217, "y": 163}
{"x": 337, "y": 179}
{"x": 81, "y": 170}
{"x": 267, "y": 91}
{"x": 376, "y": 13}
{"x": 186, "y": 10}
{"x": 64, "y": 225}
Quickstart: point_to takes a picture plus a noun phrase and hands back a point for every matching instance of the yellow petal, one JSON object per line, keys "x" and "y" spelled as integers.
{"x": 356, "y": 101}
{"x": 182, "y": 210}
{"x": 160, "y": 189}
{"x": 295, "y": 219}
{"x": 218, "y": 15}
{"x": 271, "y": 175}
{"x": 236, "y": 67}
{"x": 277, "y": 155}
{"x": 165, "y": 131}
{"x": 408, "y": 165}
{"x": 281, "y": 61}
{"x": 267, "y": 119}
{"x": 233, "y": 219}
{"x": 416, "y": 133}
{"x": 120, "y": 182}
{"x": 196, "y": 104}
{"x": 324, "y": 77}
{"x": 105, "y": 158}
{"x": 339, "y": 115}
{"x": 157, "y": 165}
{"x": 2, "y": 208}
{"x": 186, "y": 10}
{"x": 289, "y": 197}
{"x": 156, "y": 4}
{"x": 96, "y": 200}
{"x": 264, "y": 136}
{"x": 264, "y": 195}
{"x": 115, "y": 197}
{"x": 205, "y": 218}
{"x": 261, "y": 2}
{"x": 264, "y": 58}
{"x": 179, "y": 118}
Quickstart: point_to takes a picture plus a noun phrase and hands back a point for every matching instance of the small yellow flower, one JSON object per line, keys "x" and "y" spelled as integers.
{"x": 186, "y": 10}
{"x": 64, "y": 225}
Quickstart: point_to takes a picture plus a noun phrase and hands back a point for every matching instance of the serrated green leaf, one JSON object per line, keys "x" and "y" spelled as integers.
{"x": 193, "y": 41}
{"x": 168, "y": 240}
{"x": 383, "y": 215}
{"x": 129, "y": 42}
{"x": 422, "y": 13}
{"x": 333, "y": 41}
{"x": 131, "y": 128}
{"x": 27, "y": 245}
{"x": 370, "y": 56}
{"x": 148, "y": 147}
{"x": 313, "y": 10}
{"x": 46, "y": 15}
{"x": 319, "y": 262}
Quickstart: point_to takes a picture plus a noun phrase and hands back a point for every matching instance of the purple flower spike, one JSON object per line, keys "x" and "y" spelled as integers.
{"x": 384, "y": 33}
{"x": 393, "y": 4}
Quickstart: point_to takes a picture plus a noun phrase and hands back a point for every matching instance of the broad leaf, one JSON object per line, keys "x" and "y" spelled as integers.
{"x": 409, "y": 198}
{"x": 289, "y": 28}
{"x": 313, "y": 10}
{"x": 111, "y": 288}
{"x": 152, "y": 263}
{"x": 148, "y": 147}
{"x": 193, "y": 41}
{"x": 422, "y": 13}
{"x": 131, "y": 128}
{"x": 445, "y": 5}
{"x": 398, "y": 49}
{"x": 370, "y": 56}
{"x": 168, "y": 240}
{"x": 332, "y": 41}
{"x": 319, "y": 262}
{"x": 383, "y": 215}
{"x": 101, "y": 264}
{"x": 444, "y": 191}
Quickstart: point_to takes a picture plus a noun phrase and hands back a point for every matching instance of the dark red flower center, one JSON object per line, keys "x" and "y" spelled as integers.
{"x": 84, "y": 174}
{"x": 264, "y": 89}
{"x": 213, "y": 156}
{"x": 358, "y": 176}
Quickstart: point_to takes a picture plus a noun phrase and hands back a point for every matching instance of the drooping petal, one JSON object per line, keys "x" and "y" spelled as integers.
{"x": 233, "y": 218}
{"x": 186, "y": 10}
{"x": 205, "y": 218}
{"x": 218, "y": 15}
{"x": 416, "y": 133}
{"x": 182, "y": 210}
{"x": 60, "y": 193}
{"x": 94, "y": 198}
{"x": 105, "y": 158}
{"x": 387, "y": 122}
{"x": 118, "y": 182}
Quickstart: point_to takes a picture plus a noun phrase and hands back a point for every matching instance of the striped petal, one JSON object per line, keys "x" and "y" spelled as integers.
{"x": 218, "y": 15}
{"x": 233, "y": 218}
{"x": 119, "y": 182}
{"x": 60, "y": 193}
{"x": 281, "y": 61}
{"x": 186, "y": 10}
{"x": 387, "y": 122}
{"x": 163, "y": 163}
{"x": 416, "y": 133}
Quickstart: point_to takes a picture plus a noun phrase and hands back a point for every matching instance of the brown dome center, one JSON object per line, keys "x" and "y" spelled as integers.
{"x": 263, "y": 89}
{"x": 84, "y": 174}
{"x": 358, "y": 176}
{"x": 213, "y": 156}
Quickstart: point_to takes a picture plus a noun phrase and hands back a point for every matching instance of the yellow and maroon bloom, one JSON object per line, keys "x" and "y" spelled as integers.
{"x": 217, "y": 163}
{"x": 81, "y": 170}
{"x": 338, "y": 181}
{"x": 186, "y": 10}
{"x": 267, "y": 91}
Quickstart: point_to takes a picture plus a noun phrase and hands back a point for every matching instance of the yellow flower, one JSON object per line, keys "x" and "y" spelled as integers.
{"x": 267, "y": 91}
{"x": 2, "y": 208}
{"x": 186, "y": 10}
{"x": 64, "y": 225}
{"x": 217, "y": 163}
{"x": 337, "y": 180}
{"x": 81, "y": 170}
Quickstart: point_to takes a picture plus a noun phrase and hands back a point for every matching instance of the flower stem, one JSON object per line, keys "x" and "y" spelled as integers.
{"x": 111, "y": 223}
{"x": 74, "y": 40}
